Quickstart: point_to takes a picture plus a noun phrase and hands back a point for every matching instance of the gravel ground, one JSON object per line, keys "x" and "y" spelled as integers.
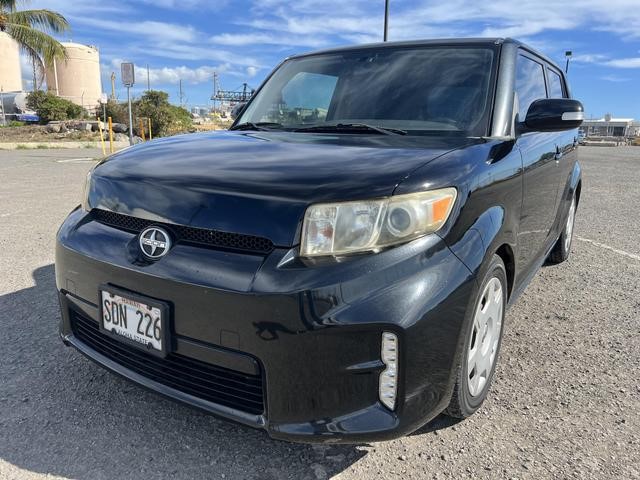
{"x": 565, "y": 403}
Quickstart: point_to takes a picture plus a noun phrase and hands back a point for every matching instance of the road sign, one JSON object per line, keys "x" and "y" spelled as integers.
{"x": 103, "y": 98}
{"x": 128, "y": 74}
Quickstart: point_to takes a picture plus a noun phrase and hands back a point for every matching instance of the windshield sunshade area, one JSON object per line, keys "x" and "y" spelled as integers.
{"x": 419, "y": 90}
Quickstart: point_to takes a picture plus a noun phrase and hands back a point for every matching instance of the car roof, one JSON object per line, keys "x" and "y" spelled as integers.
{"x": 493, "y": 41}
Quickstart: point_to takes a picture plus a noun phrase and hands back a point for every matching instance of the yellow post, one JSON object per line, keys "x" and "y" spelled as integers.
{"x": 150, "y": 136}
{"x": 104, "y": 149}
{"x": 110, "y": 135}
{"x": 144, "y": 139}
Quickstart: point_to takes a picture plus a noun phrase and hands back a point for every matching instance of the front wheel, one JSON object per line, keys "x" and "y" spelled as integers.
{"x": 562, "y": 248}
{"x": 483, "y": 337}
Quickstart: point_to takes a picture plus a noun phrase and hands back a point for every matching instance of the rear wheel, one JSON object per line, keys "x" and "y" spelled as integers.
{"x": 562, "y": 248}
{"x": 482, "y": 343}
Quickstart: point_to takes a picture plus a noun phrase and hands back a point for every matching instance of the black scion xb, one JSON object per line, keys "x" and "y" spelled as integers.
{"x": 336, "y": 267}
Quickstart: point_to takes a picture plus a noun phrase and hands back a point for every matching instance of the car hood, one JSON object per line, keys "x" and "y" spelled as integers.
{"x": 256, "y": 183}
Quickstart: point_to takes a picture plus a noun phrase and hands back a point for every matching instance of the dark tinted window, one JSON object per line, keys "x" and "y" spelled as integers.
{"x": 555, "y": 85}
{"x": 421, "y": 90}
{"x": 530, "y": 84}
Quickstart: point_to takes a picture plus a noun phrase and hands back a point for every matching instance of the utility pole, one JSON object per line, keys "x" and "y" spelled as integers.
{"x": 386, "y": 20}
{"x": 181, "y": 94}
{"x": 148, "y": 79}
{"x": 113, "y": 85}
{"x": 215, "y": 89}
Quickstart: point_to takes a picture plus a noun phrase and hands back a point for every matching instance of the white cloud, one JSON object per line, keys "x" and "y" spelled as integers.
{"x": 170, "y": 75}
{"x": 362, "y": 19}
{"x": 258, "y": 39}
{"x": 166, "y": 40}
{"x": 607, "y": 61}
{"x": 188, "y": 4}
{"x": 589, "y": 58}
{"x": 160, "y": 31}
{"x": 615, "y": 78}
{"x": 251, "y": 71}
{"x": 624, "y": 62}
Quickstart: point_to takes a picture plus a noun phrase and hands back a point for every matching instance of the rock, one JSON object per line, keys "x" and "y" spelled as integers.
{"x": 85, "y": 126}
{"x": 120, "y": 137}
{"x": 54, "y": 127}
{"x": 137, "y": 140}
{"x": 119, "y": 128}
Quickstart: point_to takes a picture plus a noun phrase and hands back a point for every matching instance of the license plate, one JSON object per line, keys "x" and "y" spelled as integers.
{"x": 134, "y": 319}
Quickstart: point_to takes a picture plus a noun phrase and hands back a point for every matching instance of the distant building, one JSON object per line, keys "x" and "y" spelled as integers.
{"x": 611, "y": 127}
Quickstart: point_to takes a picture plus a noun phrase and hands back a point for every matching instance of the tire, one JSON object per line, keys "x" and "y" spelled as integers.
{"x": 483, "y": 333}
{"x": 562, "y": 248}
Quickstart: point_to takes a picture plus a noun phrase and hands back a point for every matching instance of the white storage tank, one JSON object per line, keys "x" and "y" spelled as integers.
{"x": 10, "y": 72}
{"x": 78, "y": 77}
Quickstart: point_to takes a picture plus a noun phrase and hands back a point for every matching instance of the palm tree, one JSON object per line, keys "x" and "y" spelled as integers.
{"x": 31, "y": 29}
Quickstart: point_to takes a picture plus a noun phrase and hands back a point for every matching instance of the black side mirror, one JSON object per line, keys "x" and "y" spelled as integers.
{"x": 237, "y": 110}
{"x": 553, "y": 115}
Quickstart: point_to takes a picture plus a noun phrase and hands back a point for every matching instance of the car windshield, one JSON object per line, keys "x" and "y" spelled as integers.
{"x": 418, "y": 90}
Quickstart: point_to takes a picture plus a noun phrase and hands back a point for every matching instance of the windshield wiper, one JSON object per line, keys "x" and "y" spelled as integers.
{"x": 351, "y": 128}
{"x": 261, "y": 126}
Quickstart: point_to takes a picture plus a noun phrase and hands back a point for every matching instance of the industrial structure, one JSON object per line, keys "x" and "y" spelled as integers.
{"x": 228, "y": 99}
{"x": 78, "y": 77}
{"x": 10, "y": 72}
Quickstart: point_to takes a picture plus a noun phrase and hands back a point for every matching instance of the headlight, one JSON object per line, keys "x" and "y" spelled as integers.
{"x": 86, "y": 189}
{"x": 349, "y": 227}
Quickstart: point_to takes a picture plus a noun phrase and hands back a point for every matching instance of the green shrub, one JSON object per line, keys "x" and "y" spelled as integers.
{"x": 118, "y": 112}
{"x": 166, "y": 119}
{"x": 14, "y": 123}
{"x": 51, "y": 107}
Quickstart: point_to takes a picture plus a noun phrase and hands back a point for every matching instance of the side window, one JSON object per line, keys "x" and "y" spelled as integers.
{"x": 555, "y": 84}
{"x": 530, "y": 83}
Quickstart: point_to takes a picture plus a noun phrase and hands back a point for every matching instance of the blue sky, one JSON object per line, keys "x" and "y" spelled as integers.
{"x": 243, "y": 40}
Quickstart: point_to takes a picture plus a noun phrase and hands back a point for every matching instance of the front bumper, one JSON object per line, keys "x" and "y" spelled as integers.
{"x": 310, "y": 333}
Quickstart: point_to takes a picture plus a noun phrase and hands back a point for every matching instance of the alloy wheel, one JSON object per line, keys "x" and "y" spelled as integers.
{"x": 568, "y": 231}
{"x": 485, "y": 336}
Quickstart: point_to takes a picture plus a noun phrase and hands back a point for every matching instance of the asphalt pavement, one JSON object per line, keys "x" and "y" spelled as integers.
{"x": 565, "y": 402}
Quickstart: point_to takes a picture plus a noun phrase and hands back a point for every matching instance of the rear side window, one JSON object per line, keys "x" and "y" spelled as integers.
{"x": 530, "y": 83}
{"x": 555, "y": 85}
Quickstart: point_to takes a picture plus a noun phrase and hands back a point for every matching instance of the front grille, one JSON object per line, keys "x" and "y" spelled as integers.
{"x": 203, "y": 380}
{"x": 182, "y": 233}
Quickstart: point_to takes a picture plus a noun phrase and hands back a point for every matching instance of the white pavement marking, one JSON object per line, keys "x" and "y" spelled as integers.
{"x": 607, "y": 247}
{"x": 76, "y": 160}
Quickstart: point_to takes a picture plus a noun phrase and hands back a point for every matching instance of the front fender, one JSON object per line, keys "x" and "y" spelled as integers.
{"x": 483, "y": 238}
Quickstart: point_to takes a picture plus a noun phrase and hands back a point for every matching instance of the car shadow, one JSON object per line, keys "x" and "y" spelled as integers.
{"x": 61, "y": 414}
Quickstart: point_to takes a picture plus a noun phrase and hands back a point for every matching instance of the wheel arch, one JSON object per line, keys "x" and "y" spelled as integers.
{"x": 491, "y": 234}
{"x": 575, "y": 182}
{"x": 505, "y": 252}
